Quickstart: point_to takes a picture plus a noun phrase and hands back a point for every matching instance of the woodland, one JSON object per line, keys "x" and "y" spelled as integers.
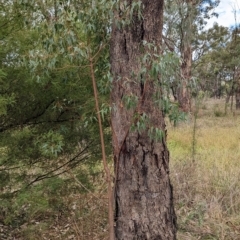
{"x": 118, "y": 120}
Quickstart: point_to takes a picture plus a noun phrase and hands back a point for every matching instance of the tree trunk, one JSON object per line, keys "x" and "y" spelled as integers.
{"x": 143, "y": 193}
{"x": 237, "y": 94}
{"x": 184, "y": 97}
{"x": 183, "y": 93}
{"x": 238, "y": 98}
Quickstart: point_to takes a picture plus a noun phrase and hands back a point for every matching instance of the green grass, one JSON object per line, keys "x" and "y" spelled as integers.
{"x": 207, "y": 191}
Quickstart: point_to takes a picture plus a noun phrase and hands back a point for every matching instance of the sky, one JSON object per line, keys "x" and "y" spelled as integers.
{"x": 226, "y": 13}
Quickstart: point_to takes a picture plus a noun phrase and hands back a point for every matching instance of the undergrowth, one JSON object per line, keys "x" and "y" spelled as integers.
{"x": 207, "y": 191}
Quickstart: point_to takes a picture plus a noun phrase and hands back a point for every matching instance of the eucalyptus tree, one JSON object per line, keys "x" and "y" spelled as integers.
{"x": 211, "y": 57}
{"x": 218, "y": 64}
{"x": 234, "y": 51}
{"x": 51, "y": 122}
{"x": 188, "y": 17}
{"x": 79, "y": 36}
{"x": 143, "y": 193}
{"x": 48, "y": 120}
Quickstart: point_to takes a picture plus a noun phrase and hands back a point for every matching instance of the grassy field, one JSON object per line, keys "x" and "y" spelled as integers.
{"x": 207, "y": 185}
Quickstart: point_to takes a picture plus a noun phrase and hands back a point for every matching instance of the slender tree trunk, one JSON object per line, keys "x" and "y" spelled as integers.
{"x": 183, "y": 92}
{"x": 184, "y": 97}
{"x": 237, "y": 94}
{"x": 143, "y": 193}
{"x": 238, "y": 98}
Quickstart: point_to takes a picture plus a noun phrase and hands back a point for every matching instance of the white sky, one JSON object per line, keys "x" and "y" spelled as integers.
{"x": 226, "y": 10}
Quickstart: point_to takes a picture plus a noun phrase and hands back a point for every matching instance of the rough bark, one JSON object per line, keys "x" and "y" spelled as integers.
{"x": 143, "y": 193}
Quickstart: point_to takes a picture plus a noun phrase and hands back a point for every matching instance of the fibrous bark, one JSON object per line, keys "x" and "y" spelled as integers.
{"x": 143, "y": 193}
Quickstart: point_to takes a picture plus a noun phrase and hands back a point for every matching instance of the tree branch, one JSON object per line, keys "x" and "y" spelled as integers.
{"x": 48, "y": 174}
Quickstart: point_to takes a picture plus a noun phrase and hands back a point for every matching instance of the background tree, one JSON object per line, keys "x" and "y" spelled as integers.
{"x": 218, "y": 62}
{"x": 209, "y": 59}
{"x": 183, "y": 21}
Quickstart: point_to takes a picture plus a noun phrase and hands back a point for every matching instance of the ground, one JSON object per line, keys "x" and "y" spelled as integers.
{"x": 206, "y": 183}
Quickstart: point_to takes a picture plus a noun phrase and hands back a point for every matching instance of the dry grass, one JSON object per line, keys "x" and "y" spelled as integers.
{"x": 207, "y": 191}
{"x": 84, "y": 219}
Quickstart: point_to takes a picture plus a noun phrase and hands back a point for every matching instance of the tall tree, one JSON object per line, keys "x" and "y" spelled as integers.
{"x": 143, "y": 193}
{"x": 183, "y": 20}
{"x": 211, "y": 59}
{"x": 217, "y": 62}
{"x": 186, "y": 25}
{"x": 234, "y": 50}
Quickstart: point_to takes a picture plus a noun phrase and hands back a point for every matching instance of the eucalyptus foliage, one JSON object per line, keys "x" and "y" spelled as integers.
{"x": 48, "y": 121}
